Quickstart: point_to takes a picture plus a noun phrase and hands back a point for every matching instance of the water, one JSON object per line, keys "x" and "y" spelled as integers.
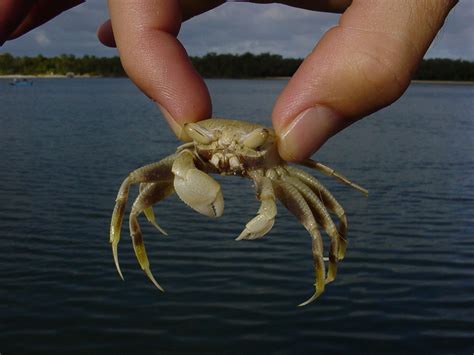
{"x": 406, "y": 284}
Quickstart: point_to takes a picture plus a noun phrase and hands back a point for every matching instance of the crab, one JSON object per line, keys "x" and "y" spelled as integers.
{"x": 233, "y": 147}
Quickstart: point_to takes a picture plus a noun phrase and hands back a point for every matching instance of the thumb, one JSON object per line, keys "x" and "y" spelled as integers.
{"x": 363, "y": 64}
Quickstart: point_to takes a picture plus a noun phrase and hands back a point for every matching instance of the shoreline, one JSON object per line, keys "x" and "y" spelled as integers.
{"x": 85, "y": 76}
{"x": 47, "y": 76}
{"x": 445, "y": 82}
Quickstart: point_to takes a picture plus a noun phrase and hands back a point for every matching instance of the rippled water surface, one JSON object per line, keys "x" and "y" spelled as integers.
{"x": 406, "y": 285}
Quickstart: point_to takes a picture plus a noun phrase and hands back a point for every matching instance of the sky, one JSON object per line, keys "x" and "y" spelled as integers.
{"x": 231, "y": 28}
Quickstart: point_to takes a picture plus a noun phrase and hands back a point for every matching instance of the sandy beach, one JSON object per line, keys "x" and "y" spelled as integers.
{"x": 60, "y": 76}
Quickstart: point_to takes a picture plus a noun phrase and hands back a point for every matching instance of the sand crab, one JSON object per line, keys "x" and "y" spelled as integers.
{"x": 231, "y": 147}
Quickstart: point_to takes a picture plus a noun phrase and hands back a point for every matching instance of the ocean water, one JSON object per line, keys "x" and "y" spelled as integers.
{"x": 406, "y": 285}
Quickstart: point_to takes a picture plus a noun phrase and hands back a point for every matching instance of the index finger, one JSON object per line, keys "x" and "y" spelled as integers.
{"x": 145, "y": 33}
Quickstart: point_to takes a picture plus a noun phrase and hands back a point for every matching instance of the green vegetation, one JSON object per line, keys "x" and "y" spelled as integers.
{"x": 212, "y": 65}
{"x": 63, "y": 64}
{"x": 445, "y": 69}
{"x": 246, "y": 65}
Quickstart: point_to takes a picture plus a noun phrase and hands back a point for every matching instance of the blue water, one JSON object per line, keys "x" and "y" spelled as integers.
{"x": 406, "y": 285}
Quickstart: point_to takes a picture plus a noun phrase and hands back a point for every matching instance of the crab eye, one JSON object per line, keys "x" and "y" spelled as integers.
{"x": 256, "y": 138}
{"x": 198, "y": 133}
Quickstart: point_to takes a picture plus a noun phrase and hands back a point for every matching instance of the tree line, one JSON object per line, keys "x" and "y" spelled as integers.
{"x": 212, "y": 65}
{"x": 60, "y": 65}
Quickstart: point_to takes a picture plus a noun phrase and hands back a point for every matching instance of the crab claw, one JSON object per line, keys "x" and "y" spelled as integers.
{"x": 263, "y": 222}
{"x": 257, "y": 227}
{"x": 196, "y": 188}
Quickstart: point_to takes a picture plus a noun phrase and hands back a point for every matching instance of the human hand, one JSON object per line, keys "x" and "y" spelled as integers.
{"x": 358, "y": 67}
{"x": 20, "y": 16}
{"x": 361, "y": 65}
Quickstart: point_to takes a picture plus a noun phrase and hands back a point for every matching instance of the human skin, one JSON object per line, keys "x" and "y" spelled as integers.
{"x": 358, "y": 67}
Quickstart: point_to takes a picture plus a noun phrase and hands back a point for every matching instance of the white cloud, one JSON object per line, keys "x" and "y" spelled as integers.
{"x": 42, "y": 39}
{"x": 237, "y": 28}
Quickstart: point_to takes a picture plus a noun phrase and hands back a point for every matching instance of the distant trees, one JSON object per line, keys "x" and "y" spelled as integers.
{"x": 245, "y": 65}
{"x": 61, "y": 65}
{"x": 445, "y": 69}
{"x": 212, "y": 65}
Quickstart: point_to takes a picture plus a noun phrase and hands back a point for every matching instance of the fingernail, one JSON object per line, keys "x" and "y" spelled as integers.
{"x": 308, "y": 132}
{"x": 175, "y": 127}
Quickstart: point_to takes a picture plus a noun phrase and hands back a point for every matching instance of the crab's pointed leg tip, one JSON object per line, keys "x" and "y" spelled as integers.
{"x": 157, "y": 226}
{"x": 119, "y": 272}
{"x": 311, "y": 299}
{"x": 117, "y": 265}
{"x": 152, "y": 279}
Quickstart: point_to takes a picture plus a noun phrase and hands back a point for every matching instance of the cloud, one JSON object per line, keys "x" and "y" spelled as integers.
{"x": 236, "y": 28}
{"x": 41, "y": 38}
{"x": 231, "y": 28}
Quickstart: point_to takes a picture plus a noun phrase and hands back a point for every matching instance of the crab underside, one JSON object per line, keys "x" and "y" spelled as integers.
{"x": 230, "y": 147}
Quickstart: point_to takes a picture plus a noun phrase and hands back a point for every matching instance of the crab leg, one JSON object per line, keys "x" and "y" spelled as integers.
{"x": 297, "y": 205}
{"x": 324, "y": 219}
{"x": 331, "y": 172}
{"x": 151, "y": 194}
{"x": 328, "y": 200}
{"x": 148, "y": 212}
{"x": 196, "y": 188}
{"x": 263, "y": 222}
{"x": 160, "y": 171}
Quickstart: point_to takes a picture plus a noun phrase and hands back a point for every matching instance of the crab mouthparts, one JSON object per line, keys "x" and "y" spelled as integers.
{"x": 226, "y": 162}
